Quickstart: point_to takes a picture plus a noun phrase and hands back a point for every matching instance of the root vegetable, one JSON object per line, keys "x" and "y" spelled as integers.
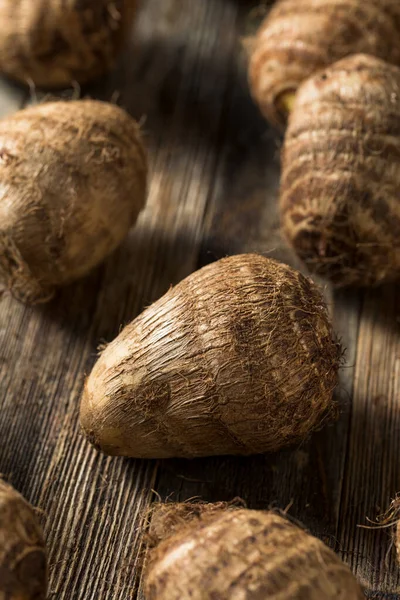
{"x": 23, "y": 563}
{"x": 205, "y": 552}
{"x": 300, "y": 37}
{"x": 339, "y": 201}
{"x": 73, "y": 181}
{"x": 238, "y": 358}
{"x": 53, "y": 43}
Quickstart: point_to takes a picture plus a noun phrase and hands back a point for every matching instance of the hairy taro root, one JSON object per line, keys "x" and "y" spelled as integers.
{"x": 300, "y": 37}
{"x": 52, "y": 43}
{"x": 73, "y": 181}
{"x": 23, "y": 562}
{"x": 340, "y": 182}
{"x": 205, "y": 552}
{"x": 238, "y": 358}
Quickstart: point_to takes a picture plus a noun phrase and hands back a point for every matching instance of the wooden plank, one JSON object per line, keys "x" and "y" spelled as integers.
{"x": 372, "y": 475}
{"x": 215, "y": 177}
{"x": 92, "y": 505}
{"x": 243, "y": 217}
{"x": 349, "y": 469}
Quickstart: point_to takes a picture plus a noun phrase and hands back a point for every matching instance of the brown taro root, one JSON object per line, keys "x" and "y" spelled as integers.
{"x": 205, "y": 552}
{"x": 340, "y": 205}
{"x": 73, "y": 181}
{"x": 300, "y": 37}
{"x": 238, "y": 358}
{"x": 23, "y": 563}
{"x": 54, "y": 43}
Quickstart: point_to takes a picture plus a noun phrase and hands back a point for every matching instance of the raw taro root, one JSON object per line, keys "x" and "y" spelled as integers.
{"x": 238, "y": 358}
{"x": 73, "y": 181}
{"x": 300, "y": 37}
{"x": 339, "y": 203}
{"x": 205, "y": 552}
{"x": 55, "y": 43}
{"x": 23, "y": 562}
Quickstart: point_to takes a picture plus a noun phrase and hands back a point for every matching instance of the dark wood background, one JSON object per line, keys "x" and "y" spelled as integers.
{"x": 213, "y": 192}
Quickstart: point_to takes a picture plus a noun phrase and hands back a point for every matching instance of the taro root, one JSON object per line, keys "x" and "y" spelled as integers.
{"x": 205, "y": 552}
{"x": 73, "y": 181}
{"x": 23, "y": 562}
{"x": 300, "y": 37}
{"x": 53, "y": 44}
{"x": 339, "y": 202}
{"x": 238, "y": 358}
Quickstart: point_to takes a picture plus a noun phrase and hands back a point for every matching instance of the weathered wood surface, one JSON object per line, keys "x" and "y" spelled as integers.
{"x": 215, "y": 174}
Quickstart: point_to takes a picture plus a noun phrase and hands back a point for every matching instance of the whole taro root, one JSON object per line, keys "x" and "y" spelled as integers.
{"x": 300, "y": 37}
{"x": 53, "y": 43}
{"x": 214, "y": 551}
{"x": 73, "y": 181}
{"x": 340, "y": 206}
{"x": 238, "y": 358}
{"x": 23, "y": 562}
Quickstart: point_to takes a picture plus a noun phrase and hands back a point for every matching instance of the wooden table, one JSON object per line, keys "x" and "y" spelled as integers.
{"x": 213, "y": 192}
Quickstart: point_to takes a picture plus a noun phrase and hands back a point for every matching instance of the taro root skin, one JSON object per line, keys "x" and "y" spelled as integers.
{"x": 73, "y": 181}
{"x": 340, "y": 183}
{"x": 300, "y": 37}
{"x": 204, "y": 552}
{"x": 23, "y": 561}
{"x": 54, "y": 43}
{"x": 238, "y": 358}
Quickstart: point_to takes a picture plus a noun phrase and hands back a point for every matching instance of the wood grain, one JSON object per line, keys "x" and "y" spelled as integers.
{"x": 214, "y": 183}
{"x": 242, "y": 216}
{"x": 313, "y": 479}
{"x": 372, "y": 473}
{"x": 92, "y": 506}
